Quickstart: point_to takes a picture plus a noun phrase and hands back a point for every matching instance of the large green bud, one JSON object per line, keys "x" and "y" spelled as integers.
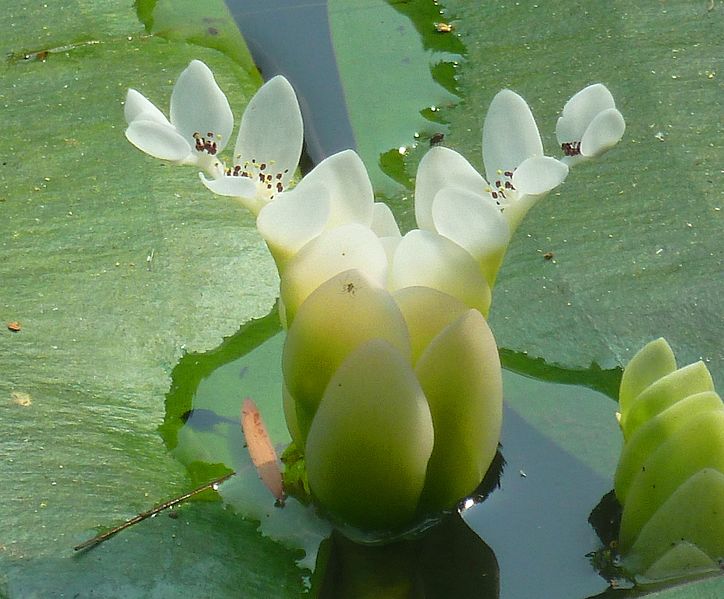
{"x": 396, "y": 399}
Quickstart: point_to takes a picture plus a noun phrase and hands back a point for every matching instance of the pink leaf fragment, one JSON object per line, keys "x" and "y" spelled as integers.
{"x": 260, "y": 448}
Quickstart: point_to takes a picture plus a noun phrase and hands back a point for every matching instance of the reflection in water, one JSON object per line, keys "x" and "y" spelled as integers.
{"x": 203, "y": 419}
{"x": 605, "y": 519}
{"x": 450, "y": 561}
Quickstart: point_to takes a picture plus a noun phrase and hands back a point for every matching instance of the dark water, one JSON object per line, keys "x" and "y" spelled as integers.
{"x": 536, "y": 523}
{"x": 291, "y": 38}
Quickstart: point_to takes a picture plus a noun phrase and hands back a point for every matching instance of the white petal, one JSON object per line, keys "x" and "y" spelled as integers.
{"x": 383, "y": 221}
{"x": 580, "y": 110}
{"x": 158, "y": 140}
{"x": 604, "y": 132}
{"x": 430, "y": 260}
{"x": 510, "y": 134}
{"x": 334, "y": 251}
{"x": 292, "y": 220}
{"x": 442, "y": 167}
{"x": 271, "y": 129}
{"x": 350, "y": 190}
{"x": 470, "y": 220}
{"x": 539, "y": 175}
{"x": 390, "y": 244}
{"x": 137, "y": 106}
{"x": 236, "y": 187}
{"x": 199, "y": 106}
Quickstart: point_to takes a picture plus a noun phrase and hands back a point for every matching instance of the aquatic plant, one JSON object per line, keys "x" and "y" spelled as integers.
{"x": 392, "y": 380}
{"x": 670, "y": 476}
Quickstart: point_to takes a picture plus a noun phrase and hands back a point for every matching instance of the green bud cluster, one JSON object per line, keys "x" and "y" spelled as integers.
{"x": 670, "y": 476}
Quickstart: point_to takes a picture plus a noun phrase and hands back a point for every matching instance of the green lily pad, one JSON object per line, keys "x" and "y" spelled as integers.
{"x": 114, "y": 265}
{"x": 207, "y": 24}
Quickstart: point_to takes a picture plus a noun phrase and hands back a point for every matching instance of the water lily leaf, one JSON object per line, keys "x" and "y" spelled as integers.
{"x": 191, "y": 549}
{"x": 206, "y": 24}
{"x": 114, "y": 264}
{"x": 389, "y": 112}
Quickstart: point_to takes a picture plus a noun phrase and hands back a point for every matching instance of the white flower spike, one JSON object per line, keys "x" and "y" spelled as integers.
{"x": 267, "y": 148}
{"x": 517, "y": 171}
{"x": 451, "y": 200}
{"x": 200, "y": 121}
{"x": 589, "y": 125}
{"x": 454, "y": 200}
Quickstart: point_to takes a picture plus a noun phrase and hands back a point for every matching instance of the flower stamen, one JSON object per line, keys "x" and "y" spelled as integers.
{"x": 571, "y": 148}
{"x": 206, "y": 144}
{"x": 501, "y": 187}
{"x": 256, "y": 170}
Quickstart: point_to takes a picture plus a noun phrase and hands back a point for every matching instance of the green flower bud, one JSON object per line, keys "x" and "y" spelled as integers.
{"x": 670, "y": 477}
{"x": 396, "y": 399}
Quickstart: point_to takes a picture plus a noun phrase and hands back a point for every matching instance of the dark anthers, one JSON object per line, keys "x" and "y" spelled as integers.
{"x": 571, "y": 148}
{"x": 205, "y": 144}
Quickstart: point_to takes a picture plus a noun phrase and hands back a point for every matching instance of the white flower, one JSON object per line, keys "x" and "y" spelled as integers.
{"x": 267, "y": 149}
{"x": 477, "y": 213}
{"x": 336, "y": 192}
{"x": 589, "y": 125}
{"x": 451, "y": 200}
{"x": 201, "y": 121}
{"x": 518, "y": 172}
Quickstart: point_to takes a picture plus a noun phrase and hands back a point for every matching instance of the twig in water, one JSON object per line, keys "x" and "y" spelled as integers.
{"x": 150, "y": 513}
